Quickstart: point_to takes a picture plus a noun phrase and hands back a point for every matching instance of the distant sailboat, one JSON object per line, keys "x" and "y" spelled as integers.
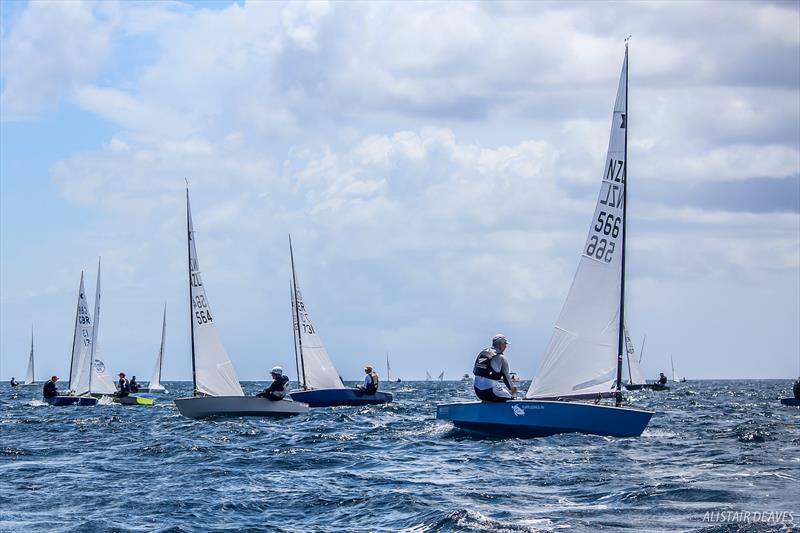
{"x": 428, "y": 376}
{"x": 675, "y": 377}
{"x": 215, "y": 385}
{"x": 441, "y": 376}
{"x": 29, "y": 376}
{"x": 81, "y": 357}
{"x": 584, "y": 357}
{"x": 100, "y": 381}
{"x": 155, "y": 384}
{"x": 318, "y": 378}
{"x": 636, "y": 380}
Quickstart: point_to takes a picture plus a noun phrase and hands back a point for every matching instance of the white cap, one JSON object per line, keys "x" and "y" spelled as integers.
{"x": 500, "y": 338}
{"x": 277, "y": 370}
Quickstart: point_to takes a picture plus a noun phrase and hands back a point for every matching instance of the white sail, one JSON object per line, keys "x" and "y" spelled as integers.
{"x": 428, "y": 376}
{"x": 100, "y": 380}
{"x": 581, "y": 357}
{"x": 318, "y": 371}
{"x": 81, "y": 346}
{"x": 675, "y": 377}
{"x": 441, "y": 376}
{"x": 155, "y": 381}
{"x": 388, "y": 368}
{"x": 635, "y": 376}
{"x": 29, "y": 378}
{"x": 213, "y": 371}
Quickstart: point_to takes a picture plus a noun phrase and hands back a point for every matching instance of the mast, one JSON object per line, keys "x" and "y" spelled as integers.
{"x": 641, "y": 353}
{"x": 163, "y": 332}
{"x": 191, "y": 316}
{"x": 297, "y": 314}
{"x": 33, "y": 370}
{"x": 95, "y": 326}
{"x": 624, "y": 224}
{"x": 630, "y": 376}
{"x": 74, "y": 334}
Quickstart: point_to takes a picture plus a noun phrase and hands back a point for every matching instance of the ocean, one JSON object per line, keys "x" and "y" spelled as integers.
{"x": 717, "y": 456}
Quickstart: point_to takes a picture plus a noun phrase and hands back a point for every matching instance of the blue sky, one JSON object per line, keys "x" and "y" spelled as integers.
{"x": 436, "y": 164}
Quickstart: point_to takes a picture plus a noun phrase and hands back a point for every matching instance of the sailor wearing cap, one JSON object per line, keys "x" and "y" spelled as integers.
{"x": 492, "y": 377}
{"x": 278, "y": 388}
{"x": 371, "y": 381}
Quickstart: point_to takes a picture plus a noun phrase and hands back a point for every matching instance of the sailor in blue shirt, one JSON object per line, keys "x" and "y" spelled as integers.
{"x": 371, "y": 381}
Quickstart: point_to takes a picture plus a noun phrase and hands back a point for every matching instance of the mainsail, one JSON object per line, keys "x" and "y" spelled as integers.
{"x": 29, "y": 378}
{"x": 388, "y": 368}
{"x": 441, "y": 376}
{"x": 214, "y": 374}
{"x": 100, "y": 381}
{"x": 155, "y": 381}
{"x": 581, "y": 358}
{"x": 316, "y": 368}
{"x": 81, "y": 346}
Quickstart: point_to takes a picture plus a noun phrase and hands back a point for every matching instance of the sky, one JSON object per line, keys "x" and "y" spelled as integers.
{"x": 437, "y": 165}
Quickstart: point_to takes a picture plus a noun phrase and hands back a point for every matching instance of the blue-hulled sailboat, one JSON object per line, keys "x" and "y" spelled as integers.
{"x": 583, "y": 360}
{"x": 320, "y": 382}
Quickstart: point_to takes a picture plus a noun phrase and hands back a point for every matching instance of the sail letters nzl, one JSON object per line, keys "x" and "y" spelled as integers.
{"x": 196, "y": 280}
{"x": 614, "y": 175}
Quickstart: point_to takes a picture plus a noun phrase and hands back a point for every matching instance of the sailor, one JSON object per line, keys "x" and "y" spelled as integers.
{"x": 371, "y": 381}
{"x": 133, "y": 385}
{"x": 49, "y": 390}
{"x": 13, "y": 382}
{"x": 123, "y": 387}
{"x": 796, "y": 389}
{"x": 662, "y": 379}
{"x": 492, "y": 378}
{"x": 279, "y": 386}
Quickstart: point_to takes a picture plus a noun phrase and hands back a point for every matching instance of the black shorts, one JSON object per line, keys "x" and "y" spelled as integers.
{"x": 488, "y": 395}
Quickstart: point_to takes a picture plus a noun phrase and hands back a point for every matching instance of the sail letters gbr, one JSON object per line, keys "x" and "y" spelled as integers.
{"x": 603, "y": 243}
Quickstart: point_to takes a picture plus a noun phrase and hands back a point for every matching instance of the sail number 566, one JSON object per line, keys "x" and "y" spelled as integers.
{"x": 600, "y": 249}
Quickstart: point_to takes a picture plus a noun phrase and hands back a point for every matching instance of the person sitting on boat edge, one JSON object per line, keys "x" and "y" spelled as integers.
{"x": 278, "y": 388}
{"x": 492, "y": 379}
{"x": 123, "y": 387}
{"x": 662, "y": 379}
{"x": 13, "y": 382}
{"x": 49, "y": 390}
{"x": 796, "y": 389}
{"x": 133, "y": 385}
{"x": 371, "y": 381}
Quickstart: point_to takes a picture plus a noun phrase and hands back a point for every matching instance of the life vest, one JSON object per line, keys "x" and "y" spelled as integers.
{"x": 375, "y": 380}
{"x": 483, "y": 366}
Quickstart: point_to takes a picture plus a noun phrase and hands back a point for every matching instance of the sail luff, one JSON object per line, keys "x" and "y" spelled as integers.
{"x": 75, "y": 335}
{"x": 624, "y": 224}
{"x": 296, "y": 322}
{"x": 191, "y": 313}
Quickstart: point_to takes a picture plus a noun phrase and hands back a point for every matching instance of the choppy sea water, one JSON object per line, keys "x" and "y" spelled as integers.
{"x": 714, "y": 451}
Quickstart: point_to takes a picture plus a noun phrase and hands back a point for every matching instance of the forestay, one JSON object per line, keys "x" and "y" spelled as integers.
{"x": 214, "y": 372}
{"x": 316, "y": 368}
{"x": 29, "y": 377}
{"x": 81, "y": 346}
{"x": 155, "y": 381}
{"x": 581, "y": 357}
{"x": 100, "y": 381}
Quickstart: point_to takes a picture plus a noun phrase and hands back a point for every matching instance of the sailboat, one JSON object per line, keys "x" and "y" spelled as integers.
{"x": 155, "y": 384}
{"x": 583, "y": 359}
{"x": 318, "y": 378}
{"x": 636, "y": 380}
{"x": 389, "y": 376}
{"x": 216, "y": 388}
{"x": 441, "y": 376}
{"x": 675, "y": 378}
{"x": 80, "y": 362}
{"x": 29, "y": 376}
{"x": 428, "y": 376}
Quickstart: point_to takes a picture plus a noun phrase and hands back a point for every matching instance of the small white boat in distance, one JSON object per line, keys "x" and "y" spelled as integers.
{"x": 29, "y": 377}
{"x": 155, "y": 385}
{"x": 217, "y": 391}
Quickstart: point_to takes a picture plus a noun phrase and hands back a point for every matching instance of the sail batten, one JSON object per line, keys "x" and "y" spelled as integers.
{"x": 582, "y": 356}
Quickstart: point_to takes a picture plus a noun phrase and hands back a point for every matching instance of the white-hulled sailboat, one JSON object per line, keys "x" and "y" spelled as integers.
{"x": 584, "y": 357}
{"x": 636, "y": 380}
{"x": 29, "y": 375}
{"x": 155, "y": 384}
{"x": 320, "y": 382}
{"x": 216, "y": 388}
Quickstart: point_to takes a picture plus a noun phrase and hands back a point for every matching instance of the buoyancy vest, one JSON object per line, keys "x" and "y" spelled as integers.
{"x": 483, "y": 365}
{"x": 375, "y": 381}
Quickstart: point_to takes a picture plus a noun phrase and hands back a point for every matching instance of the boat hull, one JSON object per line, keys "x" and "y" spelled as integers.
{"x": 541, "y": 418}
{"x": 60, "y": 401}
{"x": 224, "y": 406}
{"x": 651, "y": 386}
{"x": 791, "y": 402}
{"x": 151, "y": 391}
{"x": 133, "y": 400}
{"x": 335, "y": 397}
